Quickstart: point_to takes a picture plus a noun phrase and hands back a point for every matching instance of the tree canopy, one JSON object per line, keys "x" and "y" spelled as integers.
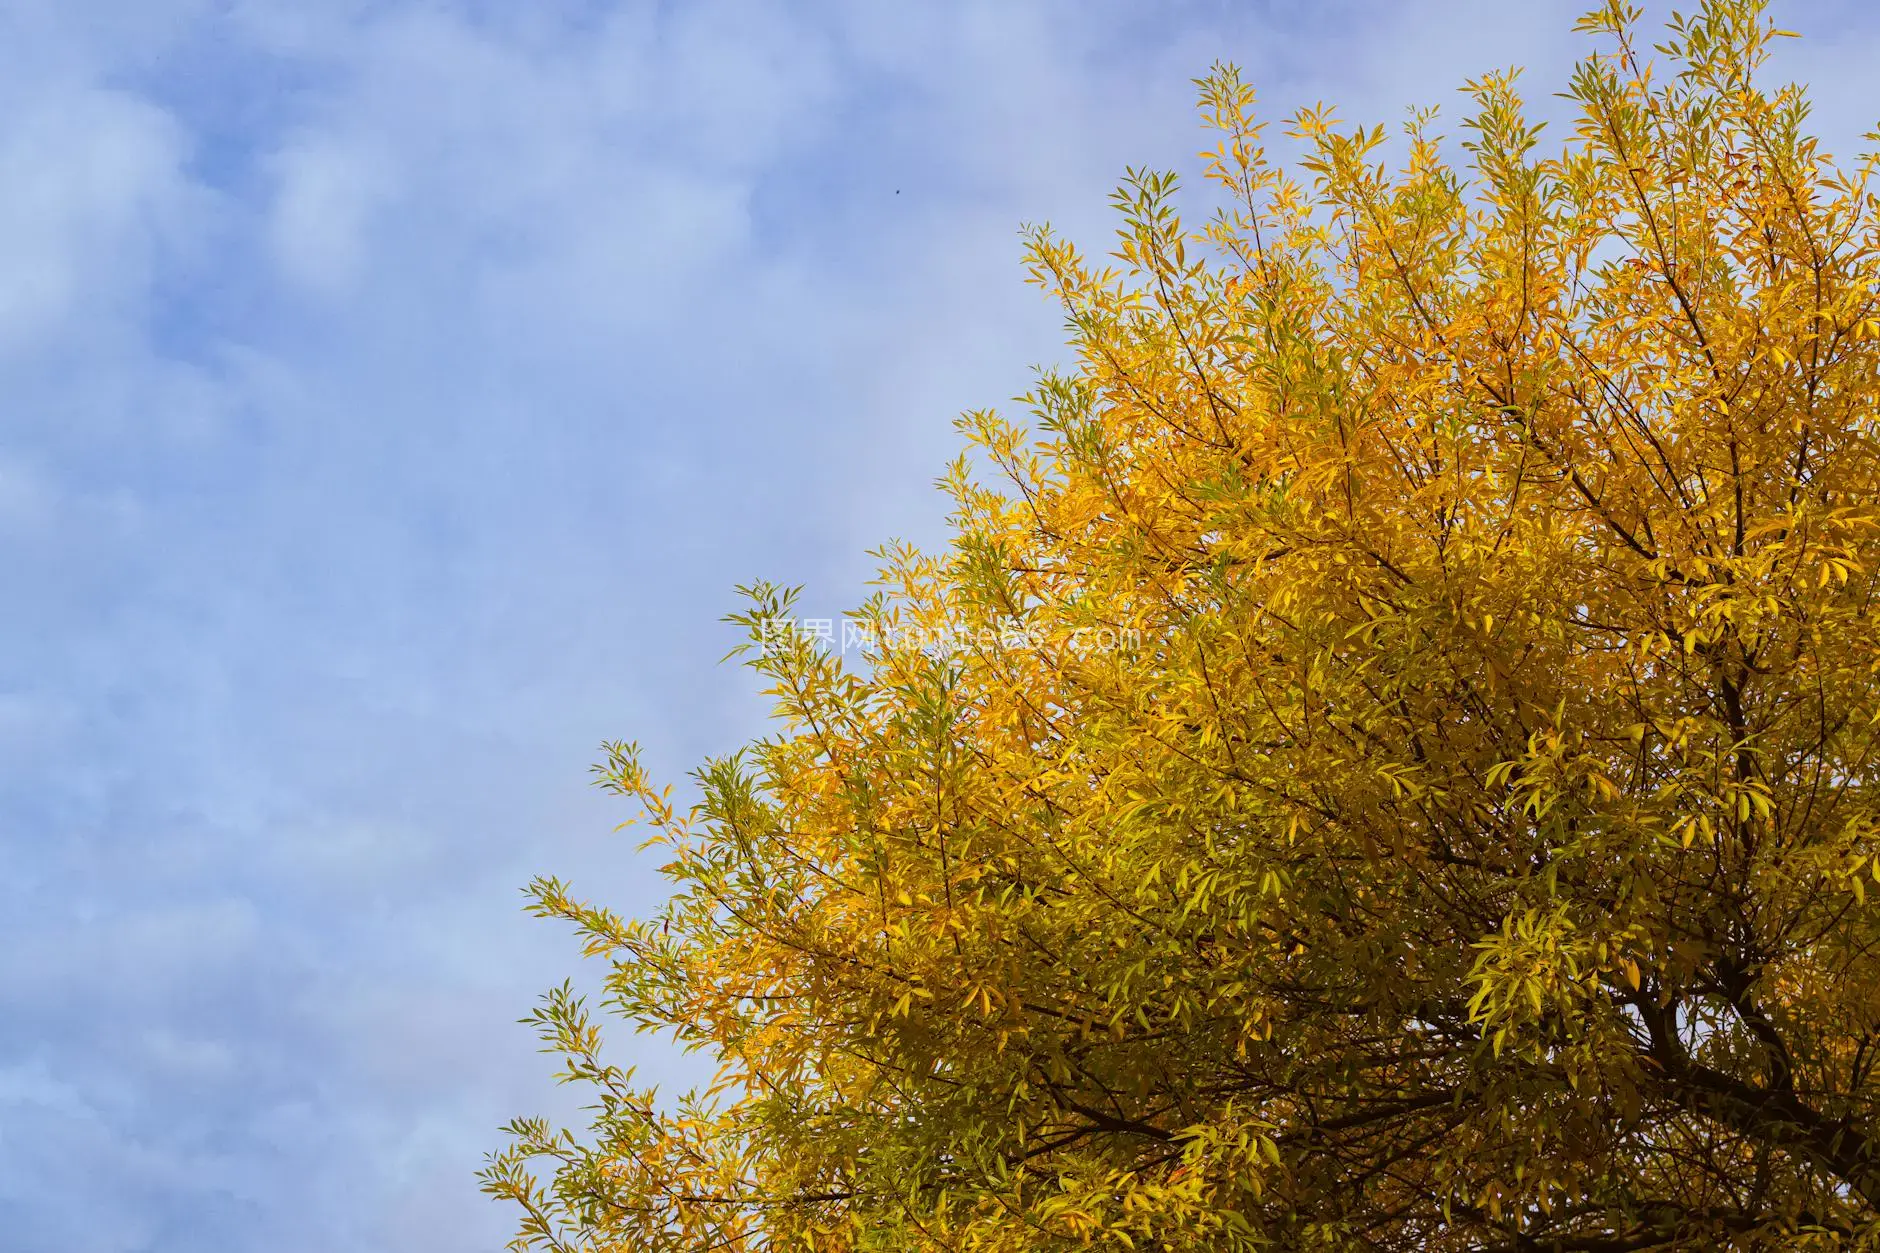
{"x": 1387, "y": 762}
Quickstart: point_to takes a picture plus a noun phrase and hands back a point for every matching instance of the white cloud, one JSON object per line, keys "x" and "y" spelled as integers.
{"x": 327, "y": 197}
{"x": 580, "y": 176}
{"x": 93, "y": 186}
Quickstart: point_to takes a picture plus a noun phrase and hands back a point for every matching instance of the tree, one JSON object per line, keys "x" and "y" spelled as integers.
{"x": 1393, "y": 767}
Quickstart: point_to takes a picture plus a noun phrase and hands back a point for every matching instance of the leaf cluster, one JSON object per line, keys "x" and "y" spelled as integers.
{"x": 1463, "y": 841}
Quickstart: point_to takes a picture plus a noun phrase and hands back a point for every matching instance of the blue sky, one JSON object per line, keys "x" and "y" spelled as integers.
{"x": 393, "y": 393}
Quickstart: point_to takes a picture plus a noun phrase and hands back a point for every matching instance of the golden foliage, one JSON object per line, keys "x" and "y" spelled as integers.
{"x": 1462, "y": 839}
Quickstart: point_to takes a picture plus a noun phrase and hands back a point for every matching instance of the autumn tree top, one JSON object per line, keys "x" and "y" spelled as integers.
{"x": 1462, "y": 841}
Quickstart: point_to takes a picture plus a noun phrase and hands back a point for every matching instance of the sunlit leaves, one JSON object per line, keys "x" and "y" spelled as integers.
{"x": 1390, "y": 766}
